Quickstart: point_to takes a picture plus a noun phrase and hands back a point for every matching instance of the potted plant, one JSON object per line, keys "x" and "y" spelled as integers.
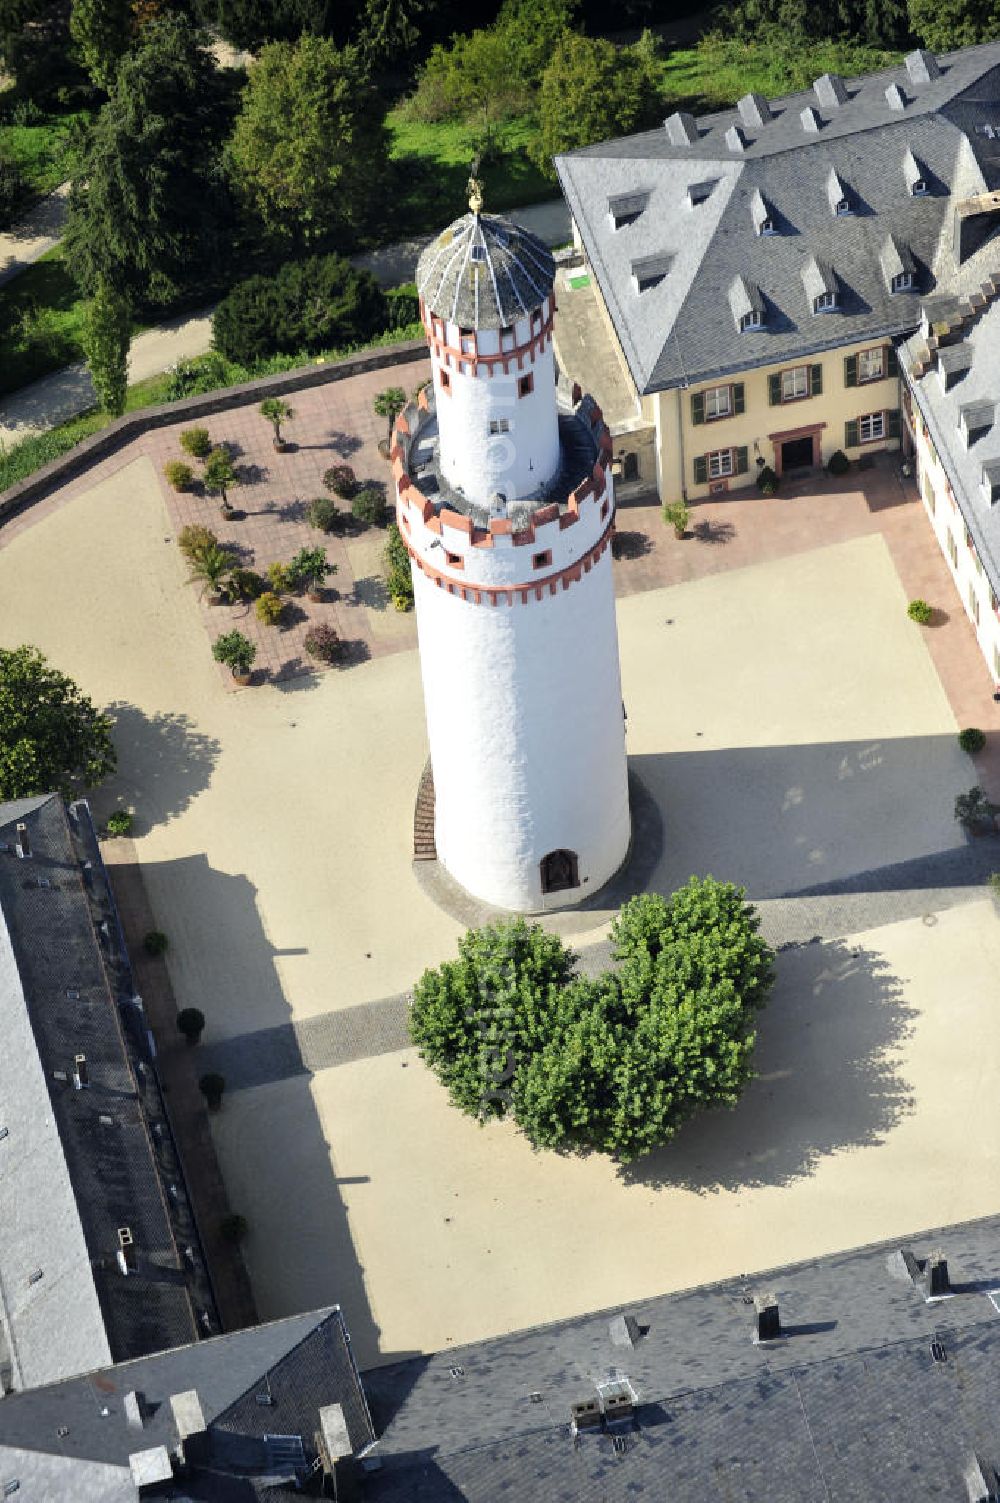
{"x": 341, "y": 480}
{"x": 322, "y": 642}
{"x": 212, "y": 1087}
{"x": 120, "y": 822}
{"x": 178, "y": 474}
{"x": 210, "y": 569}
{"x": 280, "y": 576}
{"x": 243, "y": 585}
{"x": 368, "y": 507}
{"x": 308, "y": 570}
{"x": 269, "y": 608}
{"x": 976, "y": 813}
{"x": 920, "y": 611}
{"x": 237, "y": 652}
{"x": 972, "y": 740}
{"x": 676, "y": 514}
{"x": 191, "y": 1023}
{"x": 277, "y": 412}
{"x": 767, "y": 481}
{"x": 219, "y": 476}
{"x": 388, "y": 404}
{"x": 323, "y": 513}
{"x": 196, "y": 442}
{"x": 194, "y": 539}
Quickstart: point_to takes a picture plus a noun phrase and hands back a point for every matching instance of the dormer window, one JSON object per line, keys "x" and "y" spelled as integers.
{"x": 767, "y": 227}
{"x": 915, "y": 175}
{"x": 751, "y": 321}
{"x": 625, "y": 208}
{"x": 903, "y": 282}
{"x": 842, "y": 206}
{"x": 820, "y": 282}
{"x": 838, "y": 195}
{"x": 825, "y": 303}
{"x": 699, "y": 192}
{"x": 919, "y": 187}
{"x": 650, "y": 271}
{"x": 747, "y": 305}
{"x": 760, "y": 211}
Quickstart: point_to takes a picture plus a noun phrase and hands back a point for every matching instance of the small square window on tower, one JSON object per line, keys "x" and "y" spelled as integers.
{"x": 525, "y": 385}
{"x": 542, "y": 560}
{"x": 445, "y": 380}
{"x": 499, "y": 425}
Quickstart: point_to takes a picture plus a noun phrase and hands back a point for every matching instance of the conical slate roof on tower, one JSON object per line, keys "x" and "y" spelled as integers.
{"x": 485, "y": 272}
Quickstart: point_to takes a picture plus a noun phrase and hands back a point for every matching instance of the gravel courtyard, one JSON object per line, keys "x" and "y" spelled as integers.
{"x": 789, "y": 722}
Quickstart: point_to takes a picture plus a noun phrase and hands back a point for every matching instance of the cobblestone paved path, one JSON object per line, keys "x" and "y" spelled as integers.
{"x": 867, "y": 901}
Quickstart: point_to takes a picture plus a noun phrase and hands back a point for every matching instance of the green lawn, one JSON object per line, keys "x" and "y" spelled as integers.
{"x": 432, "y": 170}
{"x": 41, "y": 317}
{"x": 719, "y": 71}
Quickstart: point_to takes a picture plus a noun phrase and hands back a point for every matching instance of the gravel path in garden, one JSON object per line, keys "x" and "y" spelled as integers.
{"x": 39, "y": 231}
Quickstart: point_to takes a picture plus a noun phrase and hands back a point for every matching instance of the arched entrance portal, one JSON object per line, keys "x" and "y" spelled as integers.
{"x": 560, "y": 870}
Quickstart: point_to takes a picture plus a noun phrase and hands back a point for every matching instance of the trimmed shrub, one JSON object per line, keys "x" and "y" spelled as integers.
{"x": 322, "y": 642}
{"x": 972, "y": 740}
{"x": 324, "y": 513}
{"x": 178, "y": 474}
{"x": 839, "y": 463}
{"x": 281, "y": 578}
{"x": 196, "y": 442}
{"x": 236, "y": 651}
{"x": 368, "y": 506}
{"x": 310, "y": 569}
{"x": 402, "y": 305}
{"x": 920, "y": 611}
{"x": 121, "y": 822}
{"x": 244, "y": 584}
{"x": 307, "y": 305}
{"x": 767, "y": 481}
{"x": 676, "y": 515}
{"x": 269, "y": 608}
{"x": 974, "y": 811}
{"x": 212, "y": 1087}
{"x": 341, "y": 480}
{"x": 155, "y": 943}
{"x": 196, "y": 540}
{"x": 191, "y": 1023}
{"x": 396, "y": 563}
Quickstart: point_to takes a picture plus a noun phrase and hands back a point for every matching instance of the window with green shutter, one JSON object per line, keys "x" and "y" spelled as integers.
{"x": 851, "y": 434}
{"x": 739, "y": 398}
{"x": 891, "y": 360}
{"x": 893, "y": 424}
{"x": 850, "y": 370}
{"x": 741, "y": 461}
{"x": 815, "y": 380}
{"x": 774, "y": 390}
{"x": 700, "y": 470}
{"x": 697, "y": 407}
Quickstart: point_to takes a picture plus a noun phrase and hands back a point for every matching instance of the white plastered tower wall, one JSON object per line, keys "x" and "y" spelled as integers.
{"x": 515, "y": 604}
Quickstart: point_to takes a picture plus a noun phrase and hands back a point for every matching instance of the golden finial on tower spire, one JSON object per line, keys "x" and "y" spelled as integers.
{"x": 475, "y": 188}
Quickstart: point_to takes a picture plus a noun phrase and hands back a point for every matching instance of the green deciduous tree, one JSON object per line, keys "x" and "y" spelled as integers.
{"x": 616, "y": 1063}
{"x": 107, "y": 332}
{"x": 591, "y": 91}
{"x": 308, "y": 151}
{"x": 145, "y": 207}
{"x": 51, "y": 736}
{"x": 310, "y": 305}
{"x": 101, "y": 29}
{"x": 944, "y": 25}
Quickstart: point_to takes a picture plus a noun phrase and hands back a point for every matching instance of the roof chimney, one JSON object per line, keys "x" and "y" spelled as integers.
{"x": 81, "y": 1075}
{"x": 810, "y": 120}
{"x": 681, "y": 128}
{"x": 754, "y": 110}
{"x": 335, "y": 1441}
{"x": 150, "y": 1470}
{"x": 735, "y": 139}
{"x": 585, "y": 1416}
{"x": 187, "y": 1411}
{"x": 921, "y": 66}
{"x": 895, "y": 98}
{"x": 133, "y": 1409}
{"x": 831, "y": 91}
{"x": 22, "y": 845}
{"x": 624, "y": 1330}
{"x": 938, "y": 1282}
{"x": 128, "y": 1259}
{"x": 767, "y": 1322}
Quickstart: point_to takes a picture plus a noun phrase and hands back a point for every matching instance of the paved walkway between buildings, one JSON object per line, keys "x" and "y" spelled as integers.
{"x": 868, "y": 900}
{"x": 39, "y": 231}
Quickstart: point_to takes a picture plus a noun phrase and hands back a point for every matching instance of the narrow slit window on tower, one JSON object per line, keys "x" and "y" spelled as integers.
{"x": 542, "y": 560}
{"x": 525, "y": 385}
{"x": 455, "y": 560}
{"x": 446, "y": 381}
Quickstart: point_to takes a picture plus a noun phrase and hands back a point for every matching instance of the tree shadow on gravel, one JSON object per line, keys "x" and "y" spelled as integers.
{"x": 713, "y": 532}
{"x": 827, "y": 1079}
{"x": 628, "y": 545}
{"x": 164, "y": 763}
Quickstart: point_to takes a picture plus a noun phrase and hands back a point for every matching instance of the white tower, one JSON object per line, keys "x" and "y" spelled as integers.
{"x": 506, "y": 505}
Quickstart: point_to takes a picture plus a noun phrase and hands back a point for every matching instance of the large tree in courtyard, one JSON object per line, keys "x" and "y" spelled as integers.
{"x": 615, "y": 1064}
{"x": 308, "y": 151}
{"x": 51, "y": 735}
{"x": 145, "y": 203}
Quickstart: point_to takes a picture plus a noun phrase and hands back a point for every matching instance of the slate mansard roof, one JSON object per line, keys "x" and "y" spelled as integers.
{"x": 873, "y": 1392}
{"x": 85, "y": 1148}
{"x": 858, "y": 176}
{"x": 76, "y": 1441}
{"x": 485, "y": 272}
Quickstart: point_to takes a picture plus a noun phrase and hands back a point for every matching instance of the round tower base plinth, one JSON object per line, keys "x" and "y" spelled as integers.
{"x": 632, "y": 877}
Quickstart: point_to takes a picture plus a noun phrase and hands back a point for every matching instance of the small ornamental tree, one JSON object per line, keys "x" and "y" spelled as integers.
{"x": 210, "y": 568}
{"x": 310, "y": 569}
{"x": 107, "y": 333}
{"x": 368, "y": 507}
{"x": 236, "y": 651}
{"x": 195, "y": 540}
{"x": 191, "y": 1023}
{"x": 51, "y": 735}
{"x": 178, "y": 474}
{"x": 220, "y": 474}
{"x": 196, "y": 442}
{"x": 398, "y": 575}
{"x": 324, "y": 513}
{"x": 277, "y": 412}
{"x": 322, "y": 642}
{"x": 614, "y": 1064}
{"x": 389, "y": 403}
{"x": 341, "y": 480}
